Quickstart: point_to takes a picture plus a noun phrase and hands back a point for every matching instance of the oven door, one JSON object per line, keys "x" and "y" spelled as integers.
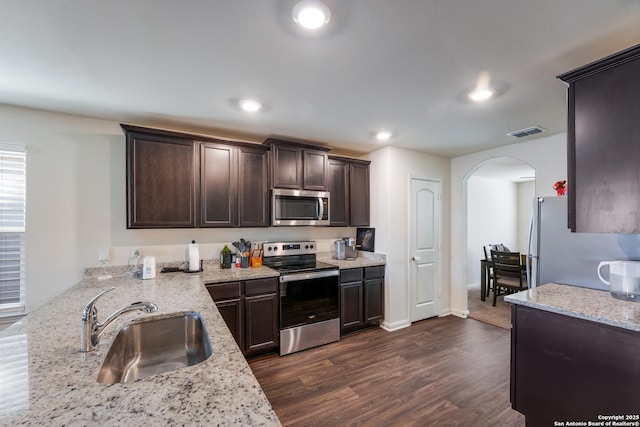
{"x": 307, "y": 298}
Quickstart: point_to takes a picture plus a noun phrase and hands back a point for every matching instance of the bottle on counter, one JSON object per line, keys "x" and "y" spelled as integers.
{"x": 225, "y": 257}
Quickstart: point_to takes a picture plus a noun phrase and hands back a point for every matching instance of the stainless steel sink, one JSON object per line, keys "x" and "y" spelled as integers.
{"x": 154, "y": 345}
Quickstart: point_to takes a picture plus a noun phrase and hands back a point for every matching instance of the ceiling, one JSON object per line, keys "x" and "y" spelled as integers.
{"x": 399, "y": 65}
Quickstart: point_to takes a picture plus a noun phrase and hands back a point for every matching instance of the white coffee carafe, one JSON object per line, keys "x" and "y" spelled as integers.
{"x": 624, "y": 279}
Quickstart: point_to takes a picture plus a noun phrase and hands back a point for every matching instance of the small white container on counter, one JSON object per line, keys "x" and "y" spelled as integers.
{"x": 149, "y": 267}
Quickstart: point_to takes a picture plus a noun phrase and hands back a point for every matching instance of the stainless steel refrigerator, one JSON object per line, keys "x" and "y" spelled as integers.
{"x": 555, "y": 254}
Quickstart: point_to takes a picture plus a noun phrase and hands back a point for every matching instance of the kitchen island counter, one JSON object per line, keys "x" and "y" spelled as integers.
{"x": 55, "y": 384}
{"x": 583, "y": 303}
{"x": 574, "y": 355}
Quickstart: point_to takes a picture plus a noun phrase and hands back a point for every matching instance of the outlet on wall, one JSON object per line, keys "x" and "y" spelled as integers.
{"x": 103, "y": 254}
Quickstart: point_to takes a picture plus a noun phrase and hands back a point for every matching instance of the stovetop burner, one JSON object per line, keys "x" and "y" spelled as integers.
{"x": 293, "y": 257}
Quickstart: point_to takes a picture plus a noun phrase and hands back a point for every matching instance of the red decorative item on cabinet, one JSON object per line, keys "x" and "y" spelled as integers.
{"x": 560, "y": 187}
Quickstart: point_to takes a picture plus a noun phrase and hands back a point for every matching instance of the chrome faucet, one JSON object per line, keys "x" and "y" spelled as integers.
{"x": 92, "y": 330}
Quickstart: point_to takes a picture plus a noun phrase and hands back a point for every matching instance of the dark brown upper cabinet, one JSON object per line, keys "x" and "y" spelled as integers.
{"x": 359, "y": 193}
{"x": 253, "y": 187}
{"x": 603, "y": 143}
{"x": 348, "y": 183}
{"x": 298, "y": 166}
{"x": 161, "y": 180}
{"x": 234, "y": 186}
{"x": 338, "y": 187}
{"x": 179, "y": 180}
{"x": 218, "y": 185}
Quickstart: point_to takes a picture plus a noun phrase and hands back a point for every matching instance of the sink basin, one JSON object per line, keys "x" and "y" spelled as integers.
{"x": 153, "y": 345}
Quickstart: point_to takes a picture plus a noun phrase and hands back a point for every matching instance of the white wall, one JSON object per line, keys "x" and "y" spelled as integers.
{"x": 493, "y": 218}
{"x": 526, "y": 193}
{"x": 548, "y": 156}
{"x": 76, "y": 204}
{"x": 391, "y": 169}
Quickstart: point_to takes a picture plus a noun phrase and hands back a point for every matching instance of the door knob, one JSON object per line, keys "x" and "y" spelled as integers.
{"x": 416, "y": 258}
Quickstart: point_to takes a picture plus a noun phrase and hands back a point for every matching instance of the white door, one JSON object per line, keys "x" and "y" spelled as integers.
{"x": 424, "y": 249}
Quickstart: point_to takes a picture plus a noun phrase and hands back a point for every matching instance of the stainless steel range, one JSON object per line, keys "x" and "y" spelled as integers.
{"x": 309, "y": 289}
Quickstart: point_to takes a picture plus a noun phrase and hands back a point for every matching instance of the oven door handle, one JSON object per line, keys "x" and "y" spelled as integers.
{"x": 308, "y": 276}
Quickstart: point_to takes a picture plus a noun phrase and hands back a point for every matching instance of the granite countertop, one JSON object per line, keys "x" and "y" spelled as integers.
{"x": 60, "y": 388}
{"x": 364, "y": 259}
{"x": 583, "y": 303}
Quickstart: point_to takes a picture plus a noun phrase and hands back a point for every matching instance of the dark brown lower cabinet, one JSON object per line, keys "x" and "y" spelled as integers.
{"x": 568, "y": 369}
{"x": 361, "y": 298}
{"x": 250, "y": 310}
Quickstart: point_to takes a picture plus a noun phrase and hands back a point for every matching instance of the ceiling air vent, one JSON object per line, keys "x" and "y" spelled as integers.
{"x": 526, "y": 132}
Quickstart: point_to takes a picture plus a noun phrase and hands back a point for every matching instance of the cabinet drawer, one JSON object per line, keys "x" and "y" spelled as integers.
{"x": 350, "y": 275}
{"x": 261, "y": 286}
{"x": 376, "y": 272}
{"x": 224, "y": 291}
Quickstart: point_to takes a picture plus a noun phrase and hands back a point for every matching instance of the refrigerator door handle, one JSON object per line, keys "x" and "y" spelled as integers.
{"x": 534, "y": 233}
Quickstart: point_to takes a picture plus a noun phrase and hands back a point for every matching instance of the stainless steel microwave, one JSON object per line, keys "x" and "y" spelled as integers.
{"x": 299, "y": 207}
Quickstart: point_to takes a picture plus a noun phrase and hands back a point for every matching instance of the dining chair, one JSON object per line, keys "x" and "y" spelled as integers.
{"x": 507, "y": 274}
{"x": 487, "y": 256}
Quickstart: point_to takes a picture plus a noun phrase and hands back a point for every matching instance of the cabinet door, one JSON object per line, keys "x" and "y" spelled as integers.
{"x": 373, "y": 300}
{"x": 315, "y": 170}
{"x": 261, "y": 324}
{"x": 603, "y": 149}
{"x": 218, "y": 185}
{"x": 287, "y": 166}
{"x": 350, "y": 306}
{"x": 565, "y": 368}
{"x": 338, "y": 186}
{"x": 253, "y": 187}
{"x": 359, "y": 194}
{"x": 228, "y": 299}
{"x": 161, "y": 182}
{"x": 231, "y": 312}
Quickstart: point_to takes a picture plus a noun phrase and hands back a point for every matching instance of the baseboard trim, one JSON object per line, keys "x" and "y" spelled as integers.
{"x": 460, "y": 313}
{"x": 390, "y": 327}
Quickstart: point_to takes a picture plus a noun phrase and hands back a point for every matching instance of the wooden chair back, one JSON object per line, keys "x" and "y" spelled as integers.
{"x": 487, "y": 251}
{"x": 507, "y": 265}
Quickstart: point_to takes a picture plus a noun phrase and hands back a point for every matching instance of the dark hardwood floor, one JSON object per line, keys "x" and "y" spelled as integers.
{"x": 443, "y": 371}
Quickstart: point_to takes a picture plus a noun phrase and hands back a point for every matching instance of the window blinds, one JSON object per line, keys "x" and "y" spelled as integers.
{"x": 12, "y": 228}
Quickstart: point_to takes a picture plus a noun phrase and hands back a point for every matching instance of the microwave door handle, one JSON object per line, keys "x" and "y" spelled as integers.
{"x": 320, "y": 210}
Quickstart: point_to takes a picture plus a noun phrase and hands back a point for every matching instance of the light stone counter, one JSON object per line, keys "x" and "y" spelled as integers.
{"x": 60, "y": 388}
{"x": 582, "y": 303}
{"x": 364, "y": 259}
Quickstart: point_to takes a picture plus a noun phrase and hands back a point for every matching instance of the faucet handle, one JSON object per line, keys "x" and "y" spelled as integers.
{"x": 89, "y": 310}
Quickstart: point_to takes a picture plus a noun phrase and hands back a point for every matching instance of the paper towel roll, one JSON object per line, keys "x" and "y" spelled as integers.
{"x": 194, "y": 256}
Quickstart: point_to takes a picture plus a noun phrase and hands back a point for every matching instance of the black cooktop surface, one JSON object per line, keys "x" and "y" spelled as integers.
{"x": 306, "y": 266}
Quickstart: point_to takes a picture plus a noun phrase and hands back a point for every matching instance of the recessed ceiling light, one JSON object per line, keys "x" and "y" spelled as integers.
{"x": 250, "y": 105}
{"x": 479, "y": 95}
{"x": 483, "y": 90}
{"x": 383, "y": 135}
{"x": 311, "y": 14}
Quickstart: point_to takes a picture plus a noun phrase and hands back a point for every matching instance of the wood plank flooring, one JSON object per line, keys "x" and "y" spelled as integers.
{"x": 443, "y": 371}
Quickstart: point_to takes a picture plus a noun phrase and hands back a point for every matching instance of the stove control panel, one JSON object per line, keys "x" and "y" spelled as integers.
{"x": 289, "y": 248}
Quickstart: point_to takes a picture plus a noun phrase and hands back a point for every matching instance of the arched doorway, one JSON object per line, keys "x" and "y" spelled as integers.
{"x": 499, "y": 194}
